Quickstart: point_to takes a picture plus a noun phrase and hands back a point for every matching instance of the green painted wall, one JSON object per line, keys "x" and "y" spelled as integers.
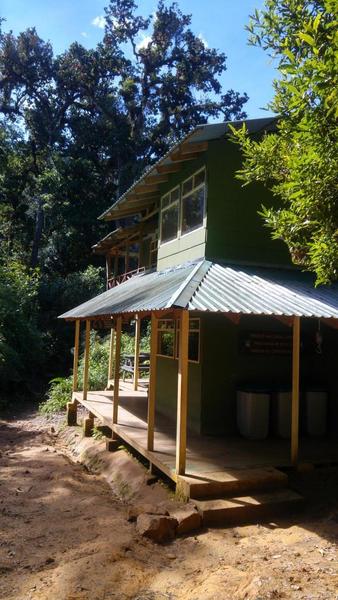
{"x": 225, "y": 368}
{"x": 187, "y": 168}
{"x": 235, "y": 230}
{"x": 166, "y": 391}
{"x": 192, "y": 245}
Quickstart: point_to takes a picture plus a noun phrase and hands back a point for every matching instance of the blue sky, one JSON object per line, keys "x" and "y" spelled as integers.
{"x": 220, "y": 22}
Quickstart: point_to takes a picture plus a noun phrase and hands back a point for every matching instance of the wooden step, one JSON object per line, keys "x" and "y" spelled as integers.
{"x": 248, "y": 508}
{"x": 232, "y": 482}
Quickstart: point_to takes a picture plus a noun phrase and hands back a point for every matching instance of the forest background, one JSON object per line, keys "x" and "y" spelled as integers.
{"x": 76, "y": 129}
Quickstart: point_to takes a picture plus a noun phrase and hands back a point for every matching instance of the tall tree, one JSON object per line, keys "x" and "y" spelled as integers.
{"x": 300, "y": 162}
{"x": 170, "y": 83}
{"x": 31, "y": 96}
{"x": 94, "y": 119}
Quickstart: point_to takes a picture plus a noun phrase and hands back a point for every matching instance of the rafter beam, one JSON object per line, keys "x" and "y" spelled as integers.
{"x": 179, "y": 157}
{"x": 153, "y": 179}
{"x": 146, "y": 188}
{"x": 169, "y": 168}
{"x": 284, "y": 319}
{"x": 194, "y": 147}
{"x": 233, "y": 317}
{"x": 131, "y": 211}
{"x": 331, "y": 322}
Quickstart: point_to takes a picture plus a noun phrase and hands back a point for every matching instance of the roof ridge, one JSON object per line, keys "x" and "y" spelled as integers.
{"x": 181, "y": 297}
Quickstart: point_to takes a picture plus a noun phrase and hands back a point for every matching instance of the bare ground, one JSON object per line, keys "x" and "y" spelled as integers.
{"x": 64, "y": 536}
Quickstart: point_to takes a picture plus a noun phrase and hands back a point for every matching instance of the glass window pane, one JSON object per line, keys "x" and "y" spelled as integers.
{"x": 166, "y": 324}
{"x": 175, "y": 195}
{"x": 166, "y": 343}
{"x": 194, "y": 346}
{"x": 194, "y": 336}
{"x": 165, "y": 200}
{"x": 193, "y": 210}
{"x": 169, "y": 225}
{"x": 199, "y": 178}
{"x": 187, "y": 186}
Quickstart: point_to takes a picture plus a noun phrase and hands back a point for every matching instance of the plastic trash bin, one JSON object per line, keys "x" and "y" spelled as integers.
{"x": 315, "y": 412}
{"x": 253, "y": 414}
{"x": 282, "y": 402}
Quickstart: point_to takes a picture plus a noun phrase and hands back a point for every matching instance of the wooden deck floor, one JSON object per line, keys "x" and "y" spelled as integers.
{"x": 209, "y": 459}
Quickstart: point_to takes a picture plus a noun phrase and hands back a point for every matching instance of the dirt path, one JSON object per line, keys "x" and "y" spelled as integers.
{"x": 64, "y": 536}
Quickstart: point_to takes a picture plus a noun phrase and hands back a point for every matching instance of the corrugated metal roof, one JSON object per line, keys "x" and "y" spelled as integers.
{"x": 211, "y": 287}
{"x": 262, "y": 291}
{"x": 143, "y": 292}
{"x": 201, "y": 133}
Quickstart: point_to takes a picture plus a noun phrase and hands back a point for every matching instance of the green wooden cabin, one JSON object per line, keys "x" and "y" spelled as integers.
{"x": 194, "y": 207}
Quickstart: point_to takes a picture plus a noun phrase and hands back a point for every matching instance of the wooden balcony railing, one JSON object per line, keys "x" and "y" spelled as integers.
{"x": 114, "y": 281}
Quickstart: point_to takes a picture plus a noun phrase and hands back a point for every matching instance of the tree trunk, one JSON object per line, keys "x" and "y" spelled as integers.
{"x": 39, "y": 220}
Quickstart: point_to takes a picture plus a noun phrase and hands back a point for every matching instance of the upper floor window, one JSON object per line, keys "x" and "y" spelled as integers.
{"x": 153, "y": 251}
{"x": 169, "y": 215}
{"x": 193, "y": 202}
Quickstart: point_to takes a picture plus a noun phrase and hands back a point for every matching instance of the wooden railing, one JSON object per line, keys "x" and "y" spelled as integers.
{"x": 114, "y": 281}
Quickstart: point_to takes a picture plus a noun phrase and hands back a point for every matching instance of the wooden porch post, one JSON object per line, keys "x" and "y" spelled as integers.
{"x": 116, "y": 264}
{"x": 117, "y": 368}
{"x": 76, "y": 355}
{"x": 295, "y": 390}
{"x": 86, "y": 361}
{"x": 111, "y": 355}
{"x": 137, "y": 350}
{"x": 108, "y": 269}
{"x": 72, "y": 406}
{"x": 152, "y": 382}
{"x": 182, "y": 394}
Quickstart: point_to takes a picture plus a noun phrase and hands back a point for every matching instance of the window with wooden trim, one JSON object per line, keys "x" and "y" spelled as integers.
{"x": 193, "y": 202}
{"x": 153, "y": 252}
{"x": 166, "y": 338}
{"x": 170, "y": 215}
{"x": 194, "y": 340}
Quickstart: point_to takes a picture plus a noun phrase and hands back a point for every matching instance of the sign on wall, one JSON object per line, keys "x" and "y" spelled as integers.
{"x": 268, "y": 342}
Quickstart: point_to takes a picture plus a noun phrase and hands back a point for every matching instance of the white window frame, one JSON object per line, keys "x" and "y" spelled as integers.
{"x": 191, "y": 330}
{"x": 167, "y": 330}
{"x": 153, "y": 249}
{"x": 194, "y": 189}
{"x": 170, "y": 205}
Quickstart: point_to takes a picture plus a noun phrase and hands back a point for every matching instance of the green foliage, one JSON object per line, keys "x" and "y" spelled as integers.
{"x": 59, "y": 394}
{"x": 300, "y": 162}
{"x": 60, "y": 389}
{"x": 75, "y": 130}
{"x": 97, "y": 434}
{"x": 21, "y": 342}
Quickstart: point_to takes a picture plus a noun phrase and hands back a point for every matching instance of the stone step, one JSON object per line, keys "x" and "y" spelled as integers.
{"x": 232, "y": 482}
{"x": 247, "y": 508}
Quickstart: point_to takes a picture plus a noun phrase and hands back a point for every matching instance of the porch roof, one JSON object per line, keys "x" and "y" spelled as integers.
{"x": 117, "y": 236}
{"x": 212, "y": 287}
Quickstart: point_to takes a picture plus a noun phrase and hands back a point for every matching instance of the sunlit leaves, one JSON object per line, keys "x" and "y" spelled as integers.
{"x": 300, "y": 162}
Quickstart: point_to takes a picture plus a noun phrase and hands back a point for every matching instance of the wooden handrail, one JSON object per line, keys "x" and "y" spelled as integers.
{"x": 114, "y": 281}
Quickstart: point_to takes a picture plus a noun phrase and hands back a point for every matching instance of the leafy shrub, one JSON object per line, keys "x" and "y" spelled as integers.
{"x": 58, "y": 294}
{"x": 58, "y": 395}
{"x": 60, "y": 388}
{"x": 21, "y": 343}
